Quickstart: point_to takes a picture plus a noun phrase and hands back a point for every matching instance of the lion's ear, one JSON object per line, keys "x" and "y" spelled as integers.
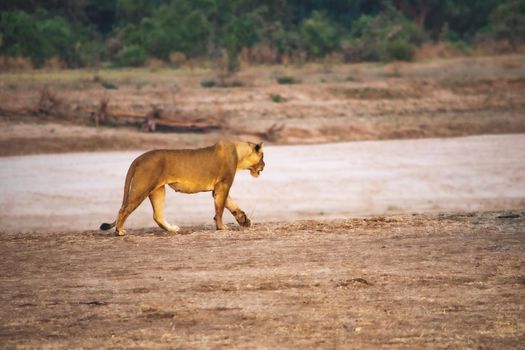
{"x": 258, "y": 147}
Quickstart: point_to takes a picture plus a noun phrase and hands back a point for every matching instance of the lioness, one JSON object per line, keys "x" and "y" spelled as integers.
{"x": 189, "y": 171}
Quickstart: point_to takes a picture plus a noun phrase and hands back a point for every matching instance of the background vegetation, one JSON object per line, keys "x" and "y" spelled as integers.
{"x": 77, "y": 33}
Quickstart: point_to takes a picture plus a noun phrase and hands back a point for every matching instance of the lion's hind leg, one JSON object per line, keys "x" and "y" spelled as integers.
{"x": 157, "y": 202}
{"x": 136, "y": 195}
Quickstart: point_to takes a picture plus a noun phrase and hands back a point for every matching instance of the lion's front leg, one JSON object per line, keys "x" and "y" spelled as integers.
{"x": 236, "y": 211}
{"x": 220, "y": 194}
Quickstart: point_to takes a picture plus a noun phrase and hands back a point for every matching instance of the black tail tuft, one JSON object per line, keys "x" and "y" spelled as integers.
{"x": 105, "y": 226}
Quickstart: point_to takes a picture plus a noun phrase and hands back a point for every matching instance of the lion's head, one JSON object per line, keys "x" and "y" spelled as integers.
{"x": 253, "y": 159}
{"x": 256, "y": 169}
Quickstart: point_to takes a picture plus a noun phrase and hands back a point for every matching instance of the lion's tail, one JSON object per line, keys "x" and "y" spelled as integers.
{"x": 105, "y": 226}
{"x": 129, "y": 176}
{"x": 127, "y": 184}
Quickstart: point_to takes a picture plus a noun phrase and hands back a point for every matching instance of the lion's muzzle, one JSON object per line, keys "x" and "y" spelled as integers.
{"x": 257, "y": 169}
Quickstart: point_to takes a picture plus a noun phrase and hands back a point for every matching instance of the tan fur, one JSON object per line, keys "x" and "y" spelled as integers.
{"x": 189, "y": 171}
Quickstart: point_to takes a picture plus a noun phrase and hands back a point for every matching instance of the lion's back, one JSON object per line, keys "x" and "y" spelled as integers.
{"x": 196, "y": 166}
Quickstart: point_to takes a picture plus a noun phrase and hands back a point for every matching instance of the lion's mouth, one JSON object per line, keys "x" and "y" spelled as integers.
{"x": 255, "y": 172}
{"x": 257, "y": 169}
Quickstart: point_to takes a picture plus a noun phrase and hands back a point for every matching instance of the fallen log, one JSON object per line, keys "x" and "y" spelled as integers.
{"x": 155, "y": 120}
{"x": 105, "y": 113}
{"x": 272, "y": 134}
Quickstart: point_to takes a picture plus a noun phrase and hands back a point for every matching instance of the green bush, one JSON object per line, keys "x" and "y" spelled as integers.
{"x": 507, "y": 21}
{"x": 222, "y": 83}
{"x": 286, "y": 80}
{"x": 92, "y": 53}
{"x": 208, "y": 83}
{"x": 21, "y": 37}
{"x": 239, "y": 33}
{"x": 93, "y": 32}
{"x": 40, "y": 36}
{"x": 284, "y": 42}
{"x": 318, "y": 35}
{"x": 385, "y": 37}
{"x": 400, "y": 50}
{"x": 59, "y": 40}
{"x": 174, "y": 27}
{"x": 109, "y": 85}
{"x": 131, "y": 56}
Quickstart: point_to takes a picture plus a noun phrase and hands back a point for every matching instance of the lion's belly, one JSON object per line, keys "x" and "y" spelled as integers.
{"x": 191, "y": 186}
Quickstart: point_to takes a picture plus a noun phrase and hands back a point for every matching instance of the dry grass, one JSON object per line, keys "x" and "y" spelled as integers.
{"x": 460, "y": 96}
{"x": 17, "y": 64}
{"x": 53, "y": 64}
{"x": 447, "y": 281}
{"x": 432, "y": 51}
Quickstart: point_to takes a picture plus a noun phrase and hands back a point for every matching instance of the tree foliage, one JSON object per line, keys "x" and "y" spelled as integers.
{"x": 384, "y": 37}
{"x": 87, "y": 32}
{"x": 319, "y": 35}
{"x": 508, "y": 21}
{"x": 133, "y": 56}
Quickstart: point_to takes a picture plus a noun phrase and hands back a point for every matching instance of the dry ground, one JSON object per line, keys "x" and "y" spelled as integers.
{"x": 455, "y": 97}
{"x": 442, "y": 281}
{"x": 453, "y": 280}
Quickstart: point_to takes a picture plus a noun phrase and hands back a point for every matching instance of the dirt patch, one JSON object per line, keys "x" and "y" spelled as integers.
{"x": 458, "y": 97}
{"x": 41, "y": 138}
{"x": 448, "y": 280}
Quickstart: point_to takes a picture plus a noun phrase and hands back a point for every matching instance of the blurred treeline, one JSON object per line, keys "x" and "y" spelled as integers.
{"x": 77, "y": 33}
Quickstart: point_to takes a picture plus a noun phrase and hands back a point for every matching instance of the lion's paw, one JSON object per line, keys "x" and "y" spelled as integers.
{"x": 120, "y": 232}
